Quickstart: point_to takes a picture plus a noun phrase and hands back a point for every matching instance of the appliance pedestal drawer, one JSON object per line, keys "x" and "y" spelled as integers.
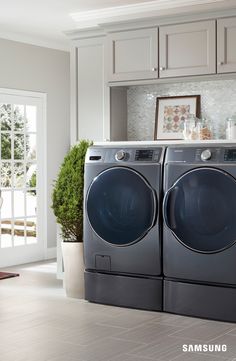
{"x": 126, "y": 291}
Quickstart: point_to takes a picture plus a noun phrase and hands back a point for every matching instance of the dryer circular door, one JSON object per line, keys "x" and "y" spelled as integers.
{"x": 200, "y": 210}
{"x": 121, "y": 206}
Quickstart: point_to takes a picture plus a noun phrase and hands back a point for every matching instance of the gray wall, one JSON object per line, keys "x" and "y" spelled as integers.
{"x": 34, "y": 68}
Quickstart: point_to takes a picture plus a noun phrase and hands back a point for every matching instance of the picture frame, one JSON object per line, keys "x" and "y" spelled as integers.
{"x": 170, "y": 114}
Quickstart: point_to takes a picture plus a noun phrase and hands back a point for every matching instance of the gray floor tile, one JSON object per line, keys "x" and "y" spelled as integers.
{"x": 229, "y": 341}
{"x": 14, "y": 356}
{"x": 205, "y": 331}
{"x": 91, "y": 333}
{"x": 149, "y": 332}
{"x": 181, "y": 321}
{"x": 198, "y": 357}
{"x": 166, "y": 348}
{"x": 130, "y": 318}
{"x": 126, "y": 357}
{"x": 41, "y": 324}
{"x": 44, "y": 350}
{"x": 233, "y": 331}
{"x": 62, "y": 358}
{"x": 81, "y": 319}
{"x": 106, "y": 349}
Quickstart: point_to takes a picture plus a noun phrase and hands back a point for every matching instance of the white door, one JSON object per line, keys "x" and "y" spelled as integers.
{"x": 21, "y": 179}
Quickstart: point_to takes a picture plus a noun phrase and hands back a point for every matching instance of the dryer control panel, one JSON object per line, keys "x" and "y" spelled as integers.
{"x": 202, "y": 155}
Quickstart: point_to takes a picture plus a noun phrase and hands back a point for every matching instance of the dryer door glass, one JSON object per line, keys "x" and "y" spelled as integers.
{"x": 200, "y": 209}
{"x": 121, "y": 206}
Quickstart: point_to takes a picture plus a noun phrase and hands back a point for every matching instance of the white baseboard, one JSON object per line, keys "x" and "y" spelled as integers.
{"x": 51, "y": 253}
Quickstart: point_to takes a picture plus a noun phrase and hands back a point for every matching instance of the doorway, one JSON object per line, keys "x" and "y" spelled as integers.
{"x": 22, "y": 171}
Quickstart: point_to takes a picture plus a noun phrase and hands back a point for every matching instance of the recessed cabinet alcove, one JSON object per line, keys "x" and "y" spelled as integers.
{"x": 116, "y": 74}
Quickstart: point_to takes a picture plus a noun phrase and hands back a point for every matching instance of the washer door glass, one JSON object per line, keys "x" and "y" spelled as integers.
{"x": 200, "y": 209}
{"x": 121, "y": 206}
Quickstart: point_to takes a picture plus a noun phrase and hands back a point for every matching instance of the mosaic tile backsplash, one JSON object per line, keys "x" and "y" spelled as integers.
{"x": 218, "y": 102}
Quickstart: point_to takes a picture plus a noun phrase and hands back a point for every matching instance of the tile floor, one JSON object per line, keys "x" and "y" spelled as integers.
{"x": 38, "y": 323}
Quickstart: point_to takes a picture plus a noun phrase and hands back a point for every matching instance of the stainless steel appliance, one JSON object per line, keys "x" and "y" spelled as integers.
{"x": 199, "y": 235}
{"x": 122, "y": 225}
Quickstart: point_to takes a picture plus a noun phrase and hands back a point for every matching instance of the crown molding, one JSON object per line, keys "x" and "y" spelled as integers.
{"x": 36, "y": 40}
{"x": 85, "y": 33}
{"x": 97, "y": 17}
{"x": 180, "y": 15}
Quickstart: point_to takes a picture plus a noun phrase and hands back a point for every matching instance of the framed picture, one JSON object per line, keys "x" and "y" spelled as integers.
{"x": 171, "y": 113}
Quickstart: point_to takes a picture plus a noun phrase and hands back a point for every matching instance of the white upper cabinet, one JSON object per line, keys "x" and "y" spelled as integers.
{"x": 226, "y": 45}
{"x": 89, "y": 90}
{"x": 133, "y": 54}
{"x": 187, "y": 49}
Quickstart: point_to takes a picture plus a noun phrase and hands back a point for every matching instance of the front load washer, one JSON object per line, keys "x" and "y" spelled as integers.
{"x": 199, "y": 235}
{"x": 122, "y": 247}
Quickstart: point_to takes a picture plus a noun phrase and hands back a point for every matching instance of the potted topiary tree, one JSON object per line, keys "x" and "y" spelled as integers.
{"x": 67, "y": 204}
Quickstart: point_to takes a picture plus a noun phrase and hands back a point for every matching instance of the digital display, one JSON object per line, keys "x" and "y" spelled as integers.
{"x": 144, "y": 154}
{"x": 230, "y": 155}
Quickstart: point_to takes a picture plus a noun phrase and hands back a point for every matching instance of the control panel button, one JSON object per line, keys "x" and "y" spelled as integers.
{"x": 206, "y": 155}
{"x": 120, "y": 155}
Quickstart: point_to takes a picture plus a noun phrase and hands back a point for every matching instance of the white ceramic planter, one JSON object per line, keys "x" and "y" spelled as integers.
{"x": 72, "y": 254}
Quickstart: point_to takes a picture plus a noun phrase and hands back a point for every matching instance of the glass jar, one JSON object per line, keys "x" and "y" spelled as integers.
{"x": 231, "y": 127}
{"x": 204, "y": 129}
{"x": 189, "y": 132}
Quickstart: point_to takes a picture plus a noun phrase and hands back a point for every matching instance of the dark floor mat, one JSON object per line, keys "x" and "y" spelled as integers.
{"x": 4, "y": 275}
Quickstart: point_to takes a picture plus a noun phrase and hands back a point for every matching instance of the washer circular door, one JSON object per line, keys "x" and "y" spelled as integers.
{"x": 200, "y": 210}
{"x": 121, "y": 206}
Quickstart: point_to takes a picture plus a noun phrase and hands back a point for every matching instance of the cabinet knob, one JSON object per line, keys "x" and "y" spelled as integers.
{"x": 154, "y": 69}
{"x": 162, "y": 68}
{"x": 221, "y": 63}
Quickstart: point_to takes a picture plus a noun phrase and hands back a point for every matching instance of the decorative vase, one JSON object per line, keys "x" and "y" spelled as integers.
{"x": 73, "y": 262}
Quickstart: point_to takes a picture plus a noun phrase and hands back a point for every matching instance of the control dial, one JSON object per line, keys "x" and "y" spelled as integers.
{"x": 206, "y": 155}
{"x": 120, "y": 155}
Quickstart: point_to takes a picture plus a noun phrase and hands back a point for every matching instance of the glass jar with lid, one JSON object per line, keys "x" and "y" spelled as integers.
{"x": 231, "y": 127}
{"x": 189, "y": 131}
{"x": 204, "y": 129}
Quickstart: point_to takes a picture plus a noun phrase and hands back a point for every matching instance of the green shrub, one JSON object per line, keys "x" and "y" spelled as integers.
{"x": 32, "y": 183}
{"x": 67, "y": 196}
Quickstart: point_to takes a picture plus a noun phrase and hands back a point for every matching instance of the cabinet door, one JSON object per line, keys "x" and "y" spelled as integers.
{"x": 226, "y": 49}
{"x": 187, "y": 49}
{"x": 88, "y": 94}
{"x": 133, "y": 55}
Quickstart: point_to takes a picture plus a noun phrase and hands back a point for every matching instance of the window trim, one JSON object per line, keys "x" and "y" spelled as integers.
{"x": 41, "y": 99}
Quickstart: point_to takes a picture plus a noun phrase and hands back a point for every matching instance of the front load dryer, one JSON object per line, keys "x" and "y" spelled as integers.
{"x": 122, "y": 246}
{"x": 199, "y": 234}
